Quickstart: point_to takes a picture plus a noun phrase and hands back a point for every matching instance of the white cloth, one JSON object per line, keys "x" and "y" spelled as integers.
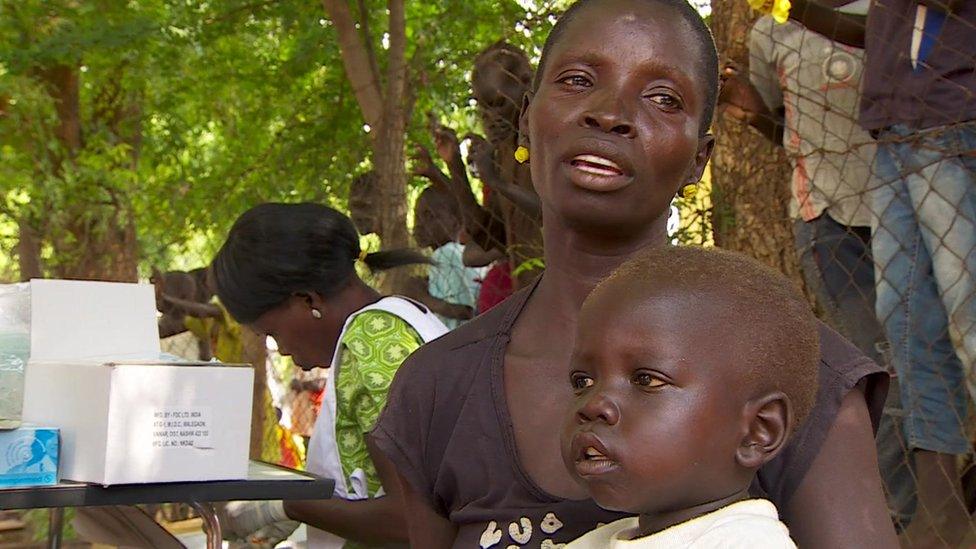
{"x": 751, "y": 524}
{"x": 323, "y": 452}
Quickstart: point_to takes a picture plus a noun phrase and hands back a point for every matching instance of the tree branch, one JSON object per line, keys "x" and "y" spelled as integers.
{"x": 417, "y": 79}
{"x": 368, "y": 38}
{"x": 355, "y": 59}
{"x": 234, "y": 12}
{"x": 396, "y": 79}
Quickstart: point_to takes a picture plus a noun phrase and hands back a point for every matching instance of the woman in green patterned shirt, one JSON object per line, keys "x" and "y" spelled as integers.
{"x": 288, "y": 271}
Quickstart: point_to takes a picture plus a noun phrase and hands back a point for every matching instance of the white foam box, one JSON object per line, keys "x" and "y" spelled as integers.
{"x": 126, "y": 417}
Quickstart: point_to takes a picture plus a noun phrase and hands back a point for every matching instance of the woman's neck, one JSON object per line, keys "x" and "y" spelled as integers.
{"x": 357, "y": 296}
{"x": 576, "y": 262}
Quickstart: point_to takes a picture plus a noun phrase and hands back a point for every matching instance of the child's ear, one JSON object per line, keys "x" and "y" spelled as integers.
{"x": 768, "y": 427}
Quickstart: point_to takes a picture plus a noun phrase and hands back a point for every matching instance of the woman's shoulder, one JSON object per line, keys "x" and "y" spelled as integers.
{"x": 455, "y": 353}
{"x": 466, "y": 345}
{"x": 378, "y": 324}
{"x": 431, "y": 392}
{"x": 843, "y": 368}
{"x": 842, "y": 358}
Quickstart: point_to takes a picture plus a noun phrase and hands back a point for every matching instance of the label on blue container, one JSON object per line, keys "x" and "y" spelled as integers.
{"x": 28, "y": 457}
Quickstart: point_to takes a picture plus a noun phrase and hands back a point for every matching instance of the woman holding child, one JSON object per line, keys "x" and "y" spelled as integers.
{"x": 616, "y": 124}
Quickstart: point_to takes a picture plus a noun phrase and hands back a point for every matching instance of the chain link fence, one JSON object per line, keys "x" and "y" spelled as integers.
{"x": 881, "y": 140}
{"x": 877, "y": 122}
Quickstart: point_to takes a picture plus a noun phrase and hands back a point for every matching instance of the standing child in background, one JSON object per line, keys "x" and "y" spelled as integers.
{"x": 452, "y": 287}
{"x": 802, "y": 92}
{"x": 306, "y": 390}
{"x": 506, "y": 223}
{"x": 691, "y": 369}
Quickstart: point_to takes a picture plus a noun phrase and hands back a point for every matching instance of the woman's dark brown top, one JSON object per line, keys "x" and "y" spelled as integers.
{"x": 447, "y": 428}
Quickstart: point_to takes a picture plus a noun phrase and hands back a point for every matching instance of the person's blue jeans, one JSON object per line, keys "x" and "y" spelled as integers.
{"x": 924, "y": 249}
{"x": 837, "y": 266}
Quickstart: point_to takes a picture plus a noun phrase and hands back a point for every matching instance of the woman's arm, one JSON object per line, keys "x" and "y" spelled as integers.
{"x": 840, "y": 502}
{"x": 483, "y": 155}
{"x": 193, "y": 308}
{"x": 475, "y": 256}
{"x": 170, "y": 325}
{"x": 373, "y": 520}
{"x": 416, "y": 289}
{"x": 842, "y": 27}
{"x": 427, "y": 527}
{"x": 478, "y": 221}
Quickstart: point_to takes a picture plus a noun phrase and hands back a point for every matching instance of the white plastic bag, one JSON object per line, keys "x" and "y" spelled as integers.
{"x": 14, "y": 351}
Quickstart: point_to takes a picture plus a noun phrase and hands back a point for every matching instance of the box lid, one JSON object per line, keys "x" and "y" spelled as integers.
{"x": 86, "y": 320}
{"x": 188, "y": 363}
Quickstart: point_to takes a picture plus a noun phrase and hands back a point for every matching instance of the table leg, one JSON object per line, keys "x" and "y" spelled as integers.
{"x": 210, "y": 524}
{"x": 55, "y": 527}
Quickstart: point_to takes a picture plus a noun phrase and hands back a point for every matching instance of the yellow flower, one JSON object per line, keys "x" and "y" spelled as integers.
{"x": 779, "y": 9}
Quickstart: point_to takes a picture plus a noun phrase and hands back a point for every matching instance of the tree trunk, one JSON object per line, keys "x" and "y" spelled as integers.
{"x": 391, "y": 195}
{"x": 385, "y": 108}
{"x": 388, "y": 146}
{"x": 750, "y": 176}
{"x": 388, "y": 159}
{"x": 256, "y": 354}
{"x": 94, "y": 241}
{"x": 63, "y": 85}
{"x": 28, "y": 252}
{"x": 98, "y": 247}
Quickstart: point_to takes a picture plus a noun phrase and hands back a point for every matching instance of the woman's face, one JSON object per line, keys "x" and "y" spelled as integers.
{"x": 308, "y": 340}
{"x": 614, "y": 125}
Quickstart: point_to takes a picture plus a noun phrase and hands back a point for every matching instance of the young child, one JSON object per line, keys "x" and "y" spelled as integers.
{"x": 452, "y": 288}
{"x": 691, "y": 368}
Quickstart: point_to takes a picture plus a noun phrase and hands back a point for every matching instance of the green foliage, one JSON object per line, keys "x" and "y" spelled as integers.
{"x": 535, "y": 263}
{"x": 193, "y": 111}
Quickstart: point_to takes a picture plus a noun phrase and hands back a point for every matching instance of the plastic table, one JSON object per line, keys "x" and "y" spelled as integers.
{"x": 264, "y": 481}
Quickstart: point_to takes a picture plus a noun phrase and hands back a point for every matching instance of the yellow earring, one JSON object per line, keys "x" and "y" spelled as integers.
{"x": 522, "y": 154}
{"x": 689, "y": 191}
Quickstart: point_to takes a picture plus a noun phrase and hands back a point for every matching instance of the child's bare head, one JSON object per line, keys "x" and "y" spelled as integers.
{"x": 436, "y": 219}
{"x": 501, "y": 76}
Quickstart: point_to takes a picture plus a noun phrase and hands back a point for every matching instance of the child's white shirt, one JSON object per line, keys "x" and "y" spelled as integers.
{"x": 752, "y": 524}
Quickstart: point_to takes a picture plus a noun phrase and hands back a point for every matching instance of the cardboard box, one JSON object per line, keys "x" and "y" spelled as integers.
{"x": 28, "y": 457}
{"x": 126, "y": 417}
